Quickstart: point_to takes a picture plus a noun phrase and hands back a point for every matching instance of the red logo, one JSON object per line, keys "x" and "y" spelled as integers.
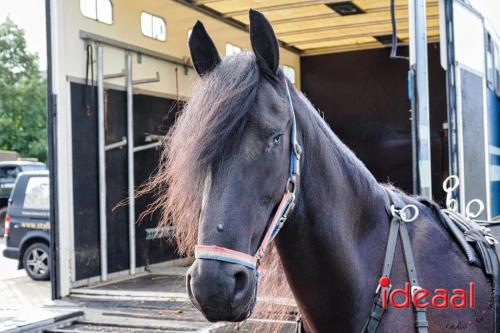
{"x": 423, "y": 298}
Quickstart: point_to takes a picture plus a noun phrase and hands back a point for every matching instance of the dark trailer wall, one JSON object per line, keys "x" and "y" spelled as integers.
{"x": 152, "y": 115}
{"x": 363, "y": 95}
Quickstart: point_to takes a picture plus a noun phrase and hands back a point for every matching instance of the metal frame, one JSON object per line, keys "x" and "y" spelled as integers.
{"x": 419, "y": 63}
{"x": 116, "y": 145}
{"x": 52, "y": 158}
{"x": 453, "y": 163}
{"x": 486, "y": 124}
{"x": 90, "y": 37}
{"x": 130, "y": 162}
{"x": 101, "y": 142}
{"x": 128, "y": 141}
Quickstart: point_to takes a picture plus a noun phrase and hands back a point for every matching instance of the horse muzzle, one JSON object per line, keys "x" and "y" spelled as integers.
{"x": 222, "y": 291}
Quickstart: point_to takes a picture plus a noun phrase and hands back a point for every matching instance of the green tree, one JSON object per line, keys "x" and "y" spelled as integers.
{"x": 22, "y": 96}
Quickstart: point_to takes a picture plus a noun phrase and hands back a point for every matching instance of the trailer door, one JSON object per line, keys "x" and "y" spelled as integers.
{"x": 471, "y": 108}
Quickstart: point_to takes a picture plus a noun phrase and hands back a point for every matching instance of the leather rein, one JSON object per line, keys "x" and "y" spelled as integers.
{"x": 286, "y": 205}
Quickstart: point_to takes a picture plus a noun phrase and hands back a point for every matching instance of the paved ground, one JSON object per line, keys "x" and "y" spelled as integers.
{"x": 24, "y": 302}
{"x": 20, "y": 297}
{"x": 8, "y": 267}
{"x": 17, "y": 290}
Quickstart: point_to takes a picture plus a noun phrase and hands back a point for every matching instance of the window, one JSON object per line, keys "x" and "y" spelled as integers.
{"x": 99, "y": 10}
{"x": 289, "y": 72}
{"x": 232, "y": 49}
{"x": 153, "y": 26}
{"x": 34, "y": 167}
{"x": 9, "y": 172}
{"x": 37, "y": 193}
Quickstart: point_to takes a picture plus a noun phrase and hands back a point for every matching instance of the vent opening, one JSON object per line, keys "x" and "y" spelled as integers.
{"x": 345, "y": 8}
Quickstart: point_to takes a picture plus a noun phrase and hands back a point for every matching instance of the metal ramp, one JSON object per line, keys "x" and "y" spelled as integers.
{"x": 38, "y": 320}
{"x": 147, "y": 303}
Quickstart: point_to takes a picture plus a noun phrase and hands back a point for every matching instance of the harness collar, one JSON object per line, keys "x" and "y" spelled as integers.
{"x": 286, "y": 205}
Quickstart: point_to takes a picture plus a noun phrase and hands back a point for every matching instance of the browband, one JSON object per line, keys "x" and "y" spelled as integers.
{"x": 287, "y": 203}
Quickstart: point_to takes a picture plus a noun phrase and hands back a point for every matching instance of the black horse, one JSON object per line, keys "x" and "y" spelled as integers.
{"x": 226, "y": 166}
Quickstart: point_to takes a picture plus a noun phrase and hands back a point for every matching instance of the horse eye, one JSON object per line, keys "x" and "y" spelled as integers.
{"x": 277, "y": 138}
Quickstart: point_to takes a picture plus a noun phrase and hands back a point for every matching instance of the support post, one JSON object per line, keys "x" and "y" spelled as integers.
{"x": 130, "y": 161}
{"x": 453, "y": 164}
{"x": 419, "y": 63}
{"x": 102, "y": 164}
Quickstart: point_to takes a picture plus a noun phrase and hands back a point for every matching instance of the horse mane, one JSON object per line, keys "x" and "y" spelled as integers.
{"x": 204, "y": 134}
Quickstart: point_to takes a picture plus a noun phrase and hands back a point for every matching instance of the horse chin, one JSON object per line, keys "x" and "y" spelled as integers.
{"x": 216, "y": 309}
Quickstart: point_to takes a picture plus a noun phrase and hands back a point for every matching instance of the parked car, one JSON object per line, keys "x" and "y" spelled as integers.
{"x": 27, "y": 224}
{"x": 8, "y": 174}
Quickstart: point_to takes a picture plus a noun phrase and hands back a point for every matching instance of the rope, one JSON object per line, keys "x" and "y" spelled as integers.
{"x": 89, "y": 67}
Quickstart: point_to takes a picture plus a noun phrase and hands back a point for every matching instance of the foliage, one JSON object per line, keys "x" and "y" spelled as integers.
{"x": 22, "y": 96}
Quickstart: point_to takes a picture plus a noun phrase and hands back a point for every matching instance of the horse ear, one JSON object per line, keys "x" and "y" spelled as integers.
{"x": 264, "y": 42}
{"x": 203, "y": 52}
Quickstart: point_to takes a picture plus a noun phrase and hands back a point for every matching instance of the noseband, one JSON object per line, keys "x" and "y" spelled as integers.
{"x": 214, "y": 252}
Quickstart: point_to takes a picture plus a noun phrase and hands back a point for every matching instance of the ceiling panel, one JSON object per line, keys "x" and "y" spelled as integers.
{"x": 310, "y": 26}
{"x": 365, "y": 30}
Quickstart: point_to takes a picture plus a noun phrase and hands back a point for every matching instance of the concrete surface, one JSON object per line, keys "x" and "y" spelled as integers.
{"x": 8, "y": 267}
{"x": 119, "y": 306}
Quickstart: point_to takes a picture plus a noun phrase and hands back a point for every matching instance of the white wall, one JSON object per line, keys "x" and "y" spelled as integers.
{"x": 126, "y": 28}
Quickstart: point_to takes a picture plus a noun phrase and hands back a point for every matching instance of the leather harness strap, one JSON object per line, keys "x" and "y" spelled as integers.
{"x": 397, "y": 227}
{"x": 421, "y": 317}
{"x": 377, "y": 311}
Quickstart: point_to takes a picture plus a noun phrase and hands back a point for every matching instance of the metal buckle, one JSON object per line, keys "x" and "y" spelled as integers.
{"x": 449, "y": 187}
{"x": 480, "y": 209}
{"x": 491, "y": 240}
{"x": 402, "y": 214}
{"x": 297, "y": 149}
{"x": 414, "y": 289}
{"x": 291, "y": 184}
{"x": 447, "y": 183}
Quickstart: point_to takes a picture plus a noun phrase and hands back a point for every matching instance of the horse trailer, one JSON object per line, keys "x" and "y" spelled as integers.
{"x": 416, "y": 96}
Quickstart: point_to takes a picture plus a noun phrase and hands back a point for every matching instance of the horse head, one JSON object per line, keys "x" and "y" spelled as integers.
{"x": 245, "y": 120}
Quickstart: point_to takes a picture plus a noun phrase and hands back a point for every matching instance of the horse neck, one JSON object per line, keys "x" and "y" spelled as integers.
{"x": 334, "y": 177}
{"x": 339, "y": 215}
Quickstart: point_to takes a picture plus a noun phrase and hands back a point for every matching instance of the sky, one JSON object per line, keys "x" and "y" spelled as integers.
{"x": 30, "y": 16}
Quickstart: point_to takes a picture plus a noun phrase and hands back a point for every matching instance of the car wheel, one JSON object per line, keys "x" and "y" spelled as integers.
{"x": 3, "y": 213}
{"x": 36, "y": 261}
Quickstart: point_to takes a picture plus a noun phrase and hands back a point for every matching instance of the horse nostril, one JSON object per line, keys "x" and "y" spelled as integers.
{"x": 240, "y": 284}
{"x": 188, "y": 283}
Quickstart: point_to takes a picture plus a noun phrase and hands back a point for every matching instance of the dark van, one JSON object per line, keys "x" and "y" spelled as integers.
{"x": 27, "y": 224}
{"x": 8, "y": 174}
